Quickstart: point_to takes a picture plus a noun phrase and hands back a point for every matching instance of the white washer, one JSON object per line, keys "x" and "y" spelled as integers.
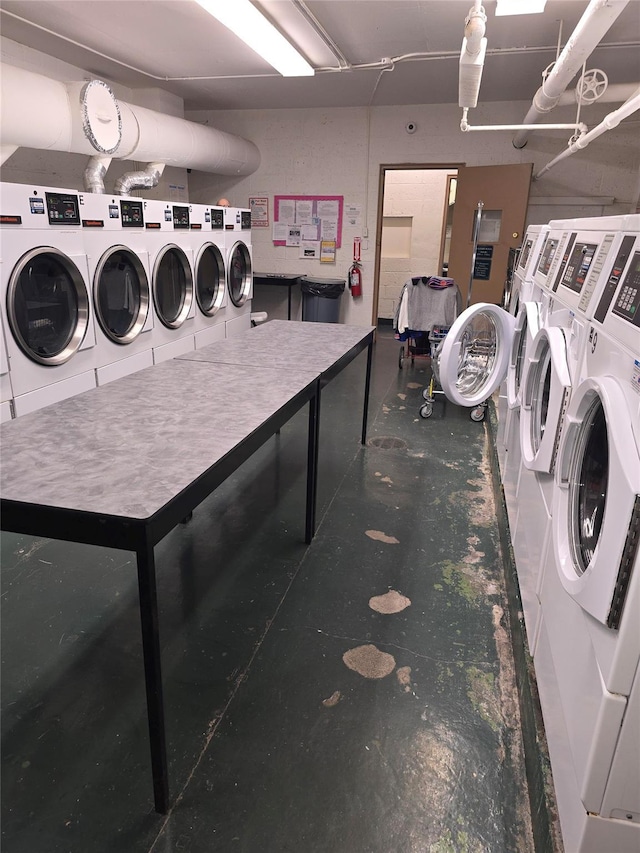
{"x": 474, "y": 359}
{"x": 172, "y": 287}
{"x": 210, "y": 272}
{"x": 239, "y": 270}
{"x": 589, "y": 649}
{"x": 114, "y": 239}
{"x": 527, "y": 311}
{"x": 6, "y": 391}
{"x": 46, "y": 302}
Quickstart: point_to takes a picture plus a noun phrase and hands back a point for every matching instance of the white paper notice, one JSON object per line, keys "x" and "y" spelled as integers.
{"x": 353, "y": 214}
{"x": 293, "y": 236}
{"x": 327, "y": 210}
{"x": 310, "y": 232}
{"x": 329, "y": 229}
{"x": 309, "y": 250}
{"x": 280, "y": 231}
{"x": 304, "y": 212}
{"x": 287, "y": 211}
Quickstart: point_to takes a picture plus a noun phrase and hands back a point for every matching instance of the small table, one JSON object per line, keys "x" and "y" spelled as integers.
{"x": 287, "y": 280}
{"x": 121, "y": 465}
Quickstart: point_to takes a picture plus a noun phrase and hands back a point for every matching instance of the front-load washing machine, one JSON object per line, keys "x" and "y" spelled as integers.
{"x": 239, "y": 270}
{"x": 172, "y": 287}
{"x": 590, "y": 592}
{"x": 210, "y": 273}
{"x": 527, "y": 311}
{"x": 6, "y": 391}
{"x": 114, "y": 239}
{"x": 474, "y": 359}
{"x": 46, "y": 302}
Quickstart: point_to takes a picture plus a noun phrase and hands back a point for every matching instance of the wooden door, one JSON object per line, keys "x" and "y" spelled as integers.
{"x": 505, "y": 193}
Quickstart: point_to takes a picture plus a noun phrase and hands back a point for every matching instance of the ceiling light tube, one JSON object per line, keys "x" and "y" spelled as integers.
{"x": 520, "y": 7}
{"x": 250, "y": 25}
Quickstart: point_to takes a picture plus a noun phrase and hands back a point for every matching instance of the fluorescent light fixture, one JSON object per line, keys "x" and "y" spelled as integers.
{"x": 520, "y": 7}
{"x": 250, "y": 25}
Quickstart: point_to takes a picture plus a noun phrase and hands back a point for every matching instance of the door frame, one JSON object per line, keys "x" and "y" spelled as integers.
{"x": 384, "y": 167}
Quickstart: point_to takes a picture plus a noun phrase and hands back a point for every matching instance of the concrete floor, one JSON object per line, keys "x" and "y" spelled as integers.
{"x": 353, "y": 696}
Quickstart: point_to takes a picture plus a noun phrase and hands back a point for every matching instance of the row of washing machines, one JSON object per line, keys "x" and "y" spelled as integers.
{"x": 567, "y": 357}
{"x": 95, "y": 287}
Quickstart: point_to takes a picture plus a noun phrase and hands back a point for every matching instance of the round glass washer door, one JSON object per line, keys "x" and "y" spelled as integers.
{"x": 546, "y": 390}
{"x": 210, "y": 280}
{"x": 172, "y": 286}
{"x": 475, "y": 354}
{"x": 239, "y": 274}
{"x": 121, "y": 294}
{"x": 526, "y": 328}
{"x": 47, "y": 306}
{"x": 596, "y": 508}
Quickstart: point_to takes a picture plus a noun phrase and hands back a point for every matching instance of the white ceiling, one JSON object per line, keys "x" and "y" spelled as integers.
{"x": 146, "y": 43}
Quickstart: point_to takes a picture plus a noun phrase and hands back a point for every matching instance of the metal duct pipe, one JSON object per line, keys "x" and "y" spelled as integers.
{"x": 146, "y": 179}
{"x": 608, "y": 123}
{"x": 94, "y": 174}
{"x": 54, "y": 122}
{"x": 590, "y": 29}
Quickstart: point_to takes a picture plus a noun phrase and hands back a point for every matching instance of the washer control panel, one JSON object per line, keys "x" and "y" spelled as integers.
{"x": 627, "y": 303}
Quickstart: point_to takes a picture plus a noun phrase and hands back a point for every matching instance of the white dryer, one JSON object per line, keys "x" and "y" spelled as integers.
{"x": 210, "y": 272}
{"x": 239, "y": 270}
{"x": 114, "y": 239}
{"x": 172, "y": 287}
{"x": 589, "y": 652}
{"x": 46, "y": 304}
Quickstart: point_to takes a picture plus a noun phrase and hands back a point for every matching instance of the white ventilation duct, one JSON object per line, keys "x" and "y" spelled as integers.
{"x": 590, "y": 29}
{"x": 610, "y": 121}
{"x": 54, "y": 121}
{"x": 474, "y": 47}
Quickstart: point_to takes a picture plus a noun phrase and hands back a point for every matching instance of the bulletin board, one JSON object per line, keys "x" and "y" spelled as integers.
{"x": 312, "y": 207}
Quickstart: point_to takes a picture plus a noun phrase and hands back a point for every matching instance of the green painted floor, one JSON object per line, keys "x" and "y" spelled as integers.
{"x": 354, "y": 696}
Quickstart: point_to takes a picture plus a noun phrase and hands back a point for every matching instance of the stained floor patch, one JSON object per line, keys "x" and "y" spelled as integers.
{"x": 379, "y": 536}
{"x": 369, "y": 661}
{"x": 335, "y": 697}
{"x": 403, "y": 675}
{"x": 390, "y": 602}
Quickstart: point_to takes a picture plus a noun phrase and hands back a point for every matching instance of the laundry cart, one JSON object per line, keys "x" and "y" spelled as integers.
{"x": 428, "y": 306}
{"x": 426, "y": 303}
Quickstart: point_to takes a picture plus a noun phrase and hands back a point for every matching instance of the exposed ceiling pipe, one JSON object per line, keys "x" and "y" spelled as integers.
{"x": 590, "y": 29}
{"x": 612, "y": 120}
{"x": 54, "y": 121}
{"x": 614, "y": 93}
{"x": 465, "y": 127}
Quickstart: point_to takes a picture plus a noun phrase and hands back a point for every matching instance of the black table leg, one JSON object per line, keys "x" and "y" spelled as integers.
{"x": 153, "y": 676}
{"x": 312, "y": 464}
{"x": 289, "y": 303}
{"x": 367, "y": 385}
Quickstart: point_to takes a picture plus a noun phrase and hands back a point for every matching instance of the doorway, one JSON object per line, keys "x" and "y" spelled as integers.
{"x": 415, "y": 216}
{"x": 418, "y": 211}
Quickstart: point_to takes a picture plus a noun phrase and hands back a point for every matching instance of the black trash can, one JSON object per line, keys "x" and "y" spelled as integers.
{"x": 321, "y": 299}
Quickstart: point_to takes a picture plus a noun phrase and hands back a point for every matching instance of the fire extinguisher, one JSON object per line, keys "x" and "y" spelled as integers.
{"x": 355, "y": 271}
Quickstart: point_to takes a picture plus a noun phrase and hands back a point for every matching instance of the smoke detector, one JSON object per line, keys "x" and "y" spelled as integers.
{"x": 411, "y": 127}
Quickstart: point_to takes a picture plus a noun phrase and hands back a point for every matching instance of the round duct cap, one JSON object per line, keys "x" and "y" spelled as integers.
{"x": 101, "y": 119}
